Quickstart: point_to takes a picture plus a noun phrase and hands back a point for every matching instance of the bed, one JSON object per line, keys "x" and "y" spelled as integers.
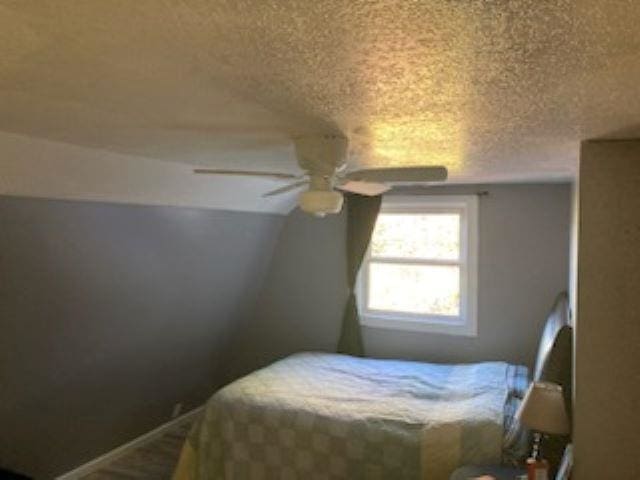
{"x": 329, "y": 416}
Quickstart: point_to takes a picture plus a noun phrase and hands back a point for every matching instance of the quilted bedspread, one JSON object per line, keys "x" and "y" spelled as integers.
{"x": 329, "y": 416}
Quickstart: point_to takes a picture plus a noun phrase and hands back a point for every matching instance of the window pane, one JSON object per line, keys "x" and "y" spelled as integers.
{"x": 433, "y": 235}
{"x": 422, "y": 289}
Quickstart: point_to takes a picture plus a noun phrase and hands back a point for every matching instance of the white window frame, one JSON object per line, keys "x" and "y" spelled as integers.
{"x": 466, "y": 323}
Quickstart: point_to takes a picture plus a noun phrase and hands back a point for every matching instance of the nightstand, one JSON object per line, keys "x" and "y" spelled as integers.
{"x": 500, "y": 473}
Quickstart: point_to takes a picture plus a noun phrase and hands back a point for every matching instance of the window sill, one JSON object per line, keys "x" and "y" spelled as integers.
{"x": 457, "y": 327}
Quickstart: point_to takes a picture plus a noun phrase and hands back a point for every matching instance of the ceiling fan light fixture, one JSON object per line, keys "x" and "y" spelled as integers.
{"x": 320, "y": 202}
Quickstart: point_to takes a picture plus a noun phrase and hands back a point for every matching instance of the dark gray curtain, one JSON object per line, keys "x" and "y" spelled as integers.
{"x": 361, "y": 219}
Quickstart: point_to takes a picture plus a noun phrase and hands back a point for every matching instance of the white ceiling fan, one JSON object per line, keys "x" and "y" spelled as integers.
{"x": 323, "y": 158}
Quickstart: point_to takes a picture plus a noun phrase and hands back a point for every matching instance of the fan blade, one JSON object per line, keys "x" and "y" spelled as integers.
{"x": 399, "y": 174}
{"x": 247, "y": 173}
{"x": 369, "y": 189}
{"x": 286, "y": 188}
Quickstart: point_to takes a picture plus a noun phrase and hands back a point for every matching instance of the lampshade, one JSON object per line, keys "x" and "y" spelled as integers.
{"x": 543, "y": 409}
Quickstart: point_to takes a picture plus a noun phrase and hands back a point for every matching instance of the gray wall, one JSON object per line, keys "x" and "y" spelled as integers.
{"x": 303, "y": 295}
{"x": 607, "y": 378}
{"x": 110, "y": 315}
{"x": 523, "y": 264}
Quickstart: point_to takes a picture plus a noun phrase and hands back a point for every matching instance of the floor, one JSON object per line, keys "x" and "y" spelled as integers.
{"x": 154, "y": 461}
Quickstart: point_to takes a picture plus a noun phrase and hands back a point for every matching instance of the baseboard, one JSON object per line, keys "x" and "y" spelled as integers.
{"x": 109, "y": 457}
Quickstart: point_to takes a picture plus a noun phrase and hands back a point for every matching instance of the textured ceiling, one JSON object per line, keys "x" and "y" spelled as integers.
{"x": 494, "y": 90}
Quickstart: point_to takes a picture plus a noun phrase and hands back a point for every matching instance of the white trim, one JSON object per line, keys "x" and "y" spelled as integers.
{"x": 423, "y": 324}
{"x": 118, "y": 452}
{"x": 466, "y": 323}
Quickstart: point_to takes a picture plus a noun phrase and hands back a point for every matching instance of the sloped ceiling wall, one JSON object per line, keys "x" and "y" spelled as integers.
{"x": 42, "y": 168}
{"x": 110, "y": 315}
{"x": 302, "y": 299}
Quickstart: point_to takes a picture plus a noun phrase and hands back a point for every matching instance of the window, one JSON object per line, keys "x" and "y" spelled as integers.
{"x": 420, "y": 271}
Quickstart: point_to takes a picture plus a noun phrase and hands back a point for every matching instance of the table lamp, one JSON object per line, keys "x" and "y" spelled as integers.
{"x": 543, "y": 411}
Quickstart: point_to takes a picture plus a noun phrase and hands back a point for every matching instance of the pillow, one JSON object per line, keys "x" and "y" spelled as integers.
{"x": 518, "y": 380}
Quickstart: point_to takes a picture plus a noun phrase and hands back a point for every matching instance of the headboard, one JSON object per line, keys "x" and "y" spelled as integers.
{"x": 555, "y": 352}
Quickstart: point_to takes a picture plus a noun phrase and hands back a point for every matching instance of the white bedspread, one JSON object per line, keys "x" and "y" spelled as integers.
{"x": 316, "y": 415}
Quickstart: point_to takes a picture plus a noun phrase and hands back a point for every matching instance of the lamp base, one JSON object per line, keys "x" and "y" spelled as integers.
{"x": 537, "y": 469}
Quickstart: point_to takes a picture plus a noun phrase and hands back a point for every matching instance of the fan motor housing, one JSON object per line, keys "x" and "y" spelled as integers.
{"x": 321, "y": 154}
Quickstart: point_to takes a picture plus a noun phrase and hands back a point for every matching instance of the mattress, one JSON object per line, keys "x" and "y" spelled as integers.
{"x": 329, "y": 416}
